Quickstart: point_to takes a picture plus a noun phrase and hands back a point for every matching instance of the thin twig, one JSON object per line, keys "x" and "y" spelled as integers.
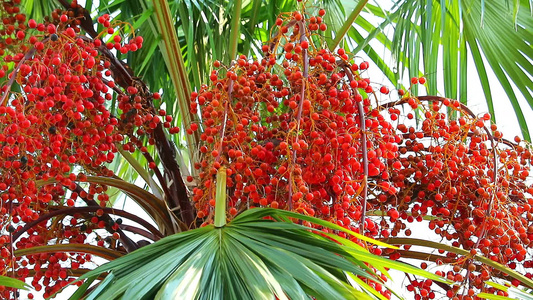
{"x": 129, "y": 245}
{"x": 364, "y": 150}
{"x": 90, "y": 209}
{"x": 305, "y": 58}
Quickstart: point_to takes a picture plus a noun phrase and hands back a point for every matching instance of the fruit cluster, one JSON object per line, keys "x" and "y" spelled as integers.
{"x": 58, "y": 127}
{"x": 305, "y": 129}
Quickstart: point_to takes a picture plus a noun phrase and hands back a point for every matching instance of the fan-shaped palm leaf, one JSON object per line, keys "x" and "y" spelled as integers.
{"x": 252, "y": 257}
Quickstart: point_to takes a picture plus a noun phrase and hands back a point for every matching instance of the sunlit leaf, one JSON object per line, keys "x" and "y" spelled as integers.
{"x": 12, "y": 282}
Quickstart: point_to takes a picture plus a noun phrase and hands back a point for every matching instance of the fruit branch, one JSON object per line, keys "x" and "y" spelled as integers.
{"x": 494, "y": 156}
{"x": 130, "y": 81}
{"x": 303, "y": 38}
{"x": 139, "y": 231}
{"x": 75, "y": 272}
{"x": 152, "y": 205}
{"x": 364, "y": 150}
{"x": 274, "y": 42}
{"x": 147, "y": 155}
{"x": 470, "y": 134}
{"x": 129, "y": 245}
{"x": 423, "y": 256}
{"x": 7, "y": 87}
{"x": 81, "y": 248}
{"x": 435, "y": 245}
{"x": 179, "y": 196}
{"x": 90, "y": 209}
{"x": 224, "y": 121}
{"x": 157, "y": 173}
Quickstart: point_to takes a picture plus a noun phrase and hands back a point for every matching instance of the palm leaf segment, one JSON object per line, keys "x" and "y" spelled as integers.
{"x": 497, "y": 34}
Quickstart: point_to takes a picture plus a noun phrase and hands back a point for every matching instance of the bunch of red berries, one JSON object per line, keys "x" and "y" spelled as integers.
{"x": 305, "y": 129}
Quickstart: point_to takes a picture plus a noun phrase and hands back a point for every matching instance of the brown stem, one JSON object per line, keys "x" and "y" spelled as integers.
{"x": 223, "y": 133}
{"x": 305, "y": 58}
{"x": 89, "y": 209}
{"x": 178, "y": 197}
{"x": 364, "y": 150}
{"x": 179, "y": 191}
{"x": 158, "y": 174}
{"x": 140, "y": 231}
{"x": 129, "y": 245}
{"x": 28, "y": 55}
{"x": 406, "y": 136}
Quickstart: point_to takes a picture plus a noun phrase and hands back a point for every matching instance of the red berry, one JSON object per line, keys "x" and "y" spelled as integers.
{"x": 32, "y": 23}
{"x": 438, "y": 197}
{"x": 51, "y": 29}
{"x": 394, "y": 214}
{"x": 397, "y": 165}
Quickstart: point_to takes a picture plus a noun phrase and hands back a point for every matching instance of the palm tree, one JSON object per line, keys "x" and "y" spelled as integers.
{"x": 496, "y": 33}
{"x": 184, "y": 38}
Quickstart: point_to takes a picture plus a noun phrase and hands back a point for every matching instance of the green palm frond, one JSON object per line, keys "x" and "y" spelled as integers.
{"x": 347, "y": 24}
{"x": 258, "y": 255}
{"x": 496, "y": 33}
